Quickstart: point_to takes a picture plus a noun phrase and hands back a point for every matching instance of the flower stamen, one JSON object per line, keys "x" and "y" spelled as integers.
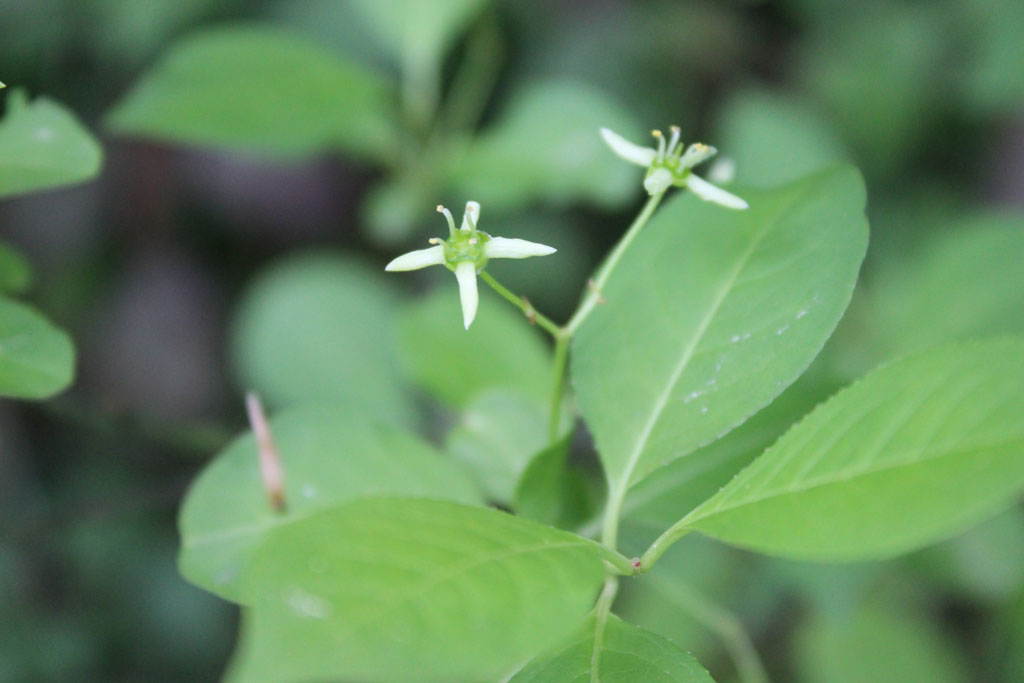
{"x": 447, "y": 217}
{"x": 661, "y": 144}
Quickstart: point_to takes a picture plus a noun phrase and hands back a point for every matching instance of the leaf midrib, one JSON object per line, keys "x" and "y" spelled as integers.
{"x": 663, "y": 398}
{"x": 846, "y": 475}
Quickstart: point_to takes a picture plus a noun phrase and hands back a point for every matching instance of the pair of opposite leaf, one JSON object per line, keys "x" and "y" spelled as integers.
{"x": 467, "y": 249}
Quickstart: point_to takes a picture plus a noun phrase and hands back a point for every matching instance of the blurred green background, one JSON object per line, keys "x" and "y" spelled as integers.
{"x": 177, "y": 270}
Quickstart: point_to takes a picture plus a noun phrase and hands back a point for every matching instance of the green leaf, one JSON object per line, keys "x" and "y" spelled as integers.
{"x": 669, "y": 493}
{"x": 37, "y": 359}
{"x": 992, "y": 59}
{"x": 553, "y": 491}
{"x": 964, "y": 282}
{"x": 260, "y": 89}
{"x": 412, "y": 590}
{"x": 498, "y": 434}
{"x": 547, "y": 146}
{"x": 15, "y": 273}
{"x": 914, "y": 452}
{"x": 875, "y": 645}
{"x": 986, "y": 564}
{"x": 319, "y": 326}
{"x": 627, "y": 654}
{"x": 328, "y": 456}
{"x": 881, "y": 78}
{"x": 711, "y": 313}
{"x": 774, "y": 139}
{"x": 455, "y": 365}
{"x": 42, "y": 145}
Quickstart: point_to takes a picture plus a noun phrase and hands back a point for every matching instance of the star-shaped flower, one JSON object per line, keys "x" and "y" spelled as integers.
{"x": 669, "y": 165}
{"x": 465, "y": 253}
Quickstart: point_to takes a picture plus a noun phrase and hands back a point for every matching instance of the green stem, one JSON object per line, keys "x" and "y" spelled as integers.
{"x": 722, "y": 623}
{"x": 593, "y": 296}
{"x": 663, "y": 543}
{"x": 523, "y": 305}
{"x": 601, "y": 612}
{"x": 558, "y": 373}
{"x": 475, "y": 78}
{"x": 421, "y": 87}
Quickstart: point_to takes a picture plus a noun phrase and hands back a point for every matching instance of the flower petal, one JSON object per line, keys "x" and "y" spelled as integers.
{"x": 505, "y": 247}
{"x": 710, "y": 193}
{"x": 697, "y": 153}
{"x": 421, "y": 258}
{"x": 634, "y": 154}
{"x": 471, "y": 216}
{"x": 465, "y": 273}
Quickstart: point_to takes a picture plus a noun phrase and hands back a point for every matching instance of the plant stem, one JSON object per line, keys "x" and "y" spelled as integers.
{"x": 475, "y": 78}
{"x": 593, "y": 296}
{"x": 558, "y": 373}
{"x": 601, "y": 612}
{"x": 663, "y": 543}
{"x": 523, "y": 305}
{"x": 722, "y": 623}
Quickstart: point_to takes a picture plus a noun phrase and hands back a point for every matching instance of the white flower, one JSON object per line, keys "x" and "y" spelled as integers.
{"x": 669, "y": 165}
{"x": 465, "y": 253}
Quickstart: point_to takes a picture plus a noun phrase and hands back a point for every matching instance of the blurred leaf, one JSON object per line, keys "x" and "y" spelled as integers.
{"x": 417, "y": 29}
{"x": 711, "y": 314}
{"x": 774, "y": 139}
{"x": 914, "y": 452}
{"x": 42, "y": 145}
{"x": 875, "y": 645}
{"x": 993, "y": 59}
{"x": 627, "y": 654}
{"x": 412, "y": 590}
{"x": 986, "y": 563}
{"x": 37, "y": 359}
{"x": 880, "y": 74}
{"x": 455, "y": 365}
{"x": 498, "y": 434}
{"x": 552, "y": 491}
{"x": 320, "y": 326}
{"x": 260, "y": 89}
{"x": 547, "y": 146}
{"x": 669, "y": 599}
{"x": 395, "y": 207}
{"x": 15, "y": 273}
{"x": 328, "y": 456}
{"x": 553, "y": 283}
{"x": 1012, "y": 655}
{"x": 965, "y": 282}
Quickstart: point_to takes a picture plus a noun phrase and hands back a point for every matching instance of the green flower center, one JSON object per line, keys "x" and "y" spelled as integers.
{"x": 465, "y": 245}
